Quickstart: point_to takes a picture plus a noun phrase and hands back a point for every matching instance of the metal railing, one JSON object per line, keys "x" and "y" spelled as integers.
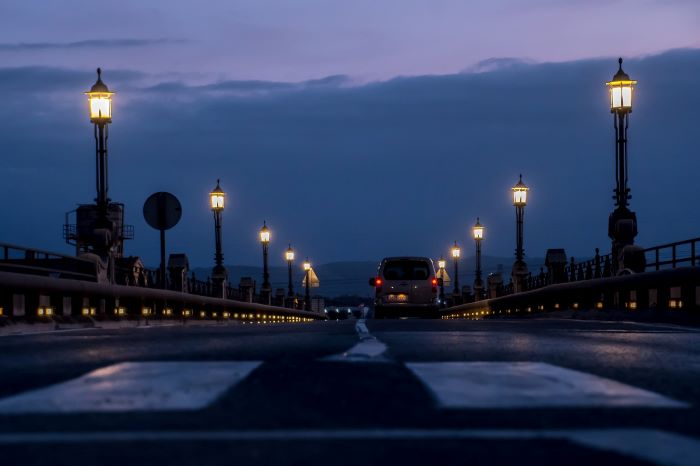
{"x": 20, "y": 259}
{"x": 30, "y": 296}
{"x": 32, "y": 261}
{"x": 662, "y": 257}
{"x": 673, "y": 254}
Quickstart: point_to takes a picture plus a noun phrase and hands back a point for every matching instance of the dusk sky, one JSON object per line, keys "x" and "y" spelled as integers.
{"x": 356, "y": 129}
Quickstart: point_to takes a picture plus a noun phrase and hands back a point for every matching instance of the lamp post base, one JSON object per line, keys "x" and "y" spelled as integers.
{"x": 219, "y": 279}
{"x": 519, "y": 275}
{"x": 265, "y": 295}
{"x": 622, "y": 229}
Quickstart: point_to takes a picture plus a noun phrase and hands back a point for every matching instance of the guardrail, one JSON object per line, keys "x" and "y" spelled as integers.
{"x": 674, "y": 290}
{"x": 662, "y": 257}
{"x": 32, "y": 261}
{"x": 31, "y": 296}
{"x": 673, "y": 254}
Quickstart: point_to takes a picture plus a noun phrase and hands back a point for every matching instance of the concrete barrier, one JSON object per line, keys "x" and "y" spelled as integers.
{"x": 675, "y": 290}
{"x": 31, "y": 297}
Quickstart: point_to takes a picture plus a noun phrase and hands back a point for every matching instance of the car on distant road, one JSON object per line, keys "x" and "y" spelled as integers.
{"x": 405, "y": 287}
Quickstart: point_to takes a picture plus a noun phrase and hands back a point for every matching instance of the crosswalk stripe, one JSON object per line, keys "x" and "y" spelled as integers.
{"x": 655, "y": 446}
{"x": 505, "y": 385}
{"x": 135, "y": 386}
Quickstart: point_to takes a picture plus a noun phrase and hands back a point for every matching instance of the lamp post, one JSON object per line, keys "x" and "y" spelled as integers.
{"x": 307, "y": 283}
{"x": 100, "y": 107}
{"x": 442, "y": 263}
{"x": 456, "y": 253}
{"x": 519, "y": 271}
{"x": 622, "y": 223}
{"x": 478, "y": 233}
{"x": 266, "y": 289}
{"x": 100, "y": 110}
{"x": 217, "y": 199}
{"x": 289, "y": 256}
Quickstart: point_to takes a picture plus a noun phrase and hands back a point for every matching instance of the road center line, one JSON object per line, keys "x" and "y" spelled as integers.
{"x": 656, "y": 446}
{"x": 369, "y": 349}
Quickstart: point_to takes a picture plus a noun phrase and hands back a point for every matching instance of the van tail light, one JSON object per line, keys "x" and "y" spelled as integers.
{"x": 378, "y": 284}
{"x": 434, "y": 282}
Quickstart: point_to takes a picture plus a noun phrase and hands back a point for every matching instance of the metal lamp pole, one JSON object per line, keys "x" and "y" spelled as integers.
{"x": 622, "y": 223}
{"x": 100, "y": 102}
{"x": 519, "y": 271}
{"x": 289, "y": 256}
{"x": 442, "y": 263}
{"x": 100, "y": 108}
{"x": 307, "y": 294}
{"x": 456, "y": 253}
{"x": 266, "y": 289}
{"x": 217, "y": 199}
{"x": 478, "y": 233}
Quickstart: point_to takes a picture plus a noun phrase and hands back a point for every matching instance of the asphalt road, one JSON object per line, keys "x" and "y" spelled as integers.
{"x": 384, "y": 392}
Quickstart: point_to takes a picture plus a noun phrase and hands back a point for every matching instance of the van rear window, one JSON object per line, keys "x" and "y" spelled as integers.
{"x": 406, "y": 270}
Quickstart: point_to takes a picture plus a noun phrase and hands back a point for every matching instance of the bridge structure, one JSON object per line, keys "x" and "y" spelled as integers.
{"x": 489, "y": 383}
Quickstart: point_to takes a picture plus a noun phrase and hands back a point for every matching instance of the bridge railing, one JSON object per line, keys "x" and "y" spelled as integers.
{"x": 31, "y": 296}
{"x": 671, "y": 294}
{"x": 32, "y": 261}
{"x": 662, "y": 257}
{"x": 672, "y": 255}
{"x": 20, "y": 260}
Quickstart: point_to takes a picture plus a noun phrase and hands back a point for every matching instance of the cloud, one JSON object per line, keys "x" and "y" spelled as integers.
{"x": 94, "y": 43}
{"x": 352, "y": 172}
{"x": 498, "y": 63}
{"x": 34, "y": 81}
{"x": 244, "y": 88}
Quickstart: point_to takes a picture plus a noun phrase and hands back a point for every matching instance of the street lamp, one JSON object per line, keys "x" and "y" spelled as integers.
{"x": 266, "y": 289}
{"x": 478, "y": 233}
{"x": 519, "y": 271}
{"x": 307, "y": 282}
{"x": 100, "y": 111}
{"x": 289, "y": 256}
{"x": 456, "y": 253}
{"x": 622, "y": 223}
{"x": 217, "y": 199}
{"x": 442, "y": 263}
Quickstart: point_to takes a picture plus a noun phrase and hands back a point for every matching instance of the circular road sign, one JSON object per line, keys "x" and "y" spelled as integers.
{"x": 162, "y": 211}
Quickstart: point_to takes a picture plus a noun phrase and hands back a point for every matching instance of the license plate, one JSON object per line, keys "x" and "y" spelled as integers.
{"x": 397, "y": 298}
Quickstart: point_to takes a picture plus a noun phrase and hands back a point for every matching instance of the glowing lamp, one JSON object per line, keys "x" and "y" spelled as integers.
{"x": 621, "y": 88}
{"x": 100, "y": 101}
{"x": 478, "y": 230}
{"x": 520, "y": 193}
{"x": 264, "y": 234}
{"x": 442, "y": 263}
{"x": 456, "y": 251}
{"x": 216, "y": 197}
{"x": 307, "y": 265}
{"x": 289, "y": 254}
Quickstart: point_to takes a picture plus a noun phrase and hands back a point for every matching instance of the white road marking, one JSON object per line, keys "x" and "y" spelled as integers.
{"x": 135, "y": 386}
{"x": 660, "y": 447}
{"x": 369, "y": 349}
{"x": 504, "y": 385}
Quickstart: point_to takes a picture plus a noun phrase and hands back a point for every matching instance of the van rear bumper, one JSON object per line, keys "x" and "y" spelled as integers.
{"x": 393, "y": 311}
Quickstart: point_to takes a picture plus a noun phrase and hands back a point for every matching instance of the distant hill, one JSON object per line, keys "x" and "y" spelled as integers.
{"x": 350, "y": 278}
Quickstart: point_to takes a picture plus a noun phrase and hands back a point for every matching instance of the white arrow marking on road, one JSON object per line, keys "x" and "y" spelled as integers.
{"x": 135, "y": 386}
{"x": 506, "y": 385}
